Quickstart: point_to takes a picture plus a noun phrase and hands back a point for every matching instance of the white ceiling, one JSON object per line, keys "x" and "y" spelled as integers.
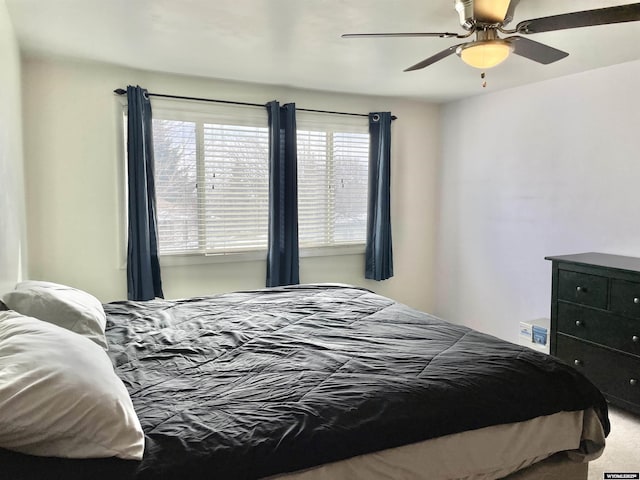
{"x": 297, "y": 42}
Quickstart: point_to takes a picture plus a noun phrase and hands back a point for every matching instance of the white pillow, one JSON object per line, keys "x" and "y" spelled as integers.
{"x": 59, "y": 395}
{"x": 64, "y": 306}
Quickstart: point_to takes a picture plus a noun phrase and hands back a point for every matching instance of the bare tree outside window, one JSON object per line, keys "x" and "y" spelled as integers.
{"x": 176, "y": 184}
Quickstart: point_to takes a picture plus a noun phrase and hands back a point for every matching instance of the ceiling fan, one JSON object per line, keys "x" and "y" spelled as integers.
{"x": 486, "y": 18}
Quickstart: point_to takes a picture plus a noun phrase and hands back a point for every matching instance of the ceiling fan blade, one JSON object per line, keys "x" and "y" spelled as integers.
{"x": 586, "y": 18}
{"x": 434, "y": 58}
{"x": 403, "y": 34}
{"x": 493, "y": 11}
{"x": 538, "y": 52}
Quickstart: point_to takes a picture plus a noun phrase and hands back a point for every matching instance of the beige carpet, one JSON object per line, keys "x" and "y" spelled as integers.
{"x": 622, "y": 452}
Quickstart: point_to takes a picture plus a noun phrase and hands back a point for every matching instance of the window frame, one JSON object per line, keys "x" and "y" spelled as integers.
{"x": 330, "y": 125}
{"x": 197, "y": 112}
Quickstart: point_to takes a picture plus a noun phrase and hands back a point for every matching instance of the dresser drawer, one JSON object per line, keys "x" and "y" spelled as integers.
{"x": 583, "y": 288}
{"x": 614, "y": 373}
{"x": 625, "y": 297}
{"x": 599, "y": 327}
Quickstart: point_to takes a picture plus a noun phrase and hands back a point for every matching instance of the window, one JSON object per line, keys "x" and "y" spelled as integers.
{"x": 333, "y": 159}
{"x": 212, "y": 180}
{"x": 176, "y": 185}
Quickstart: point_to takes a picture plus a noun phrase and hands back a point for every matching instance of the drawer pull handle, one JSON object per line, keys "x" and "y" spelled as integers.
{"x": 577, "y": 363}
{"x": 636, "y": 300}
{"x": 578, "y": 323}
{"x": 635, "y": 339}
{"x": 633, "y": 382}
{"x": 580, "y": 289}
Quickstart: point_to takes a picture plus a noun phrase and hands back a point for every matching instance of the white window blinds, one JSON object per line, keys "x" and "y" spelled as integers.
{"x": 212, "y": 179}
{"x": 236, "y": 187}
{"x": 333, "y": 158}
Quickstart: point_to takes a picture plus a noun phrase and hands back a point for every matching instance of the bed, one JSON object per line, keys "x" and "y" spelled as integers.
{"x": 315, "y": 382}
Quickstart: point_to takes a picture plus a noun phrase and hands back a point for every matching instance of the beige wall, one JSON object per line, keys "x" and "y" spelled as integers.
{"x": 75, "y": 183}
{"x": 12, "y": 216}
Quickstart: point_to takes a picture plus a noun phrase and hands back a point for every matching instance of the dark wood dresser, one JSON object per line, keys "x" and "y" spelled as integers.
{"x": 595, "y": 321}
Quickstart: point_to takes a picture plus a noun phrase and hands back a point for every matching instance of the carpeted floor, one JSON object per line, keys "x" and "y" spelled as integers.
{"x": 622, "y": 452}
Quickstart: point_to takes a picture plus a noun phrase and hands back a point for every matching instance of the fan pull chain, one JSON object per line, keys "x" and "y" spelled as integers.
{"x": 484, "y": 82}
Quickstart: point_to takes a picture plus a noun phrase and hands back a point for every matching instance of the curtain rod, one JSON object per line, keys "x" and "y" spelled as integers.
{"x": 121, "y": 91}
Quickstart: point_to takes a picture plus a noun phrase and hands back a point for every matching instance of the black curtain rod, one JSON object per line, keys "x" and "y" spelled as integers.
{"x": 120, "y": 91}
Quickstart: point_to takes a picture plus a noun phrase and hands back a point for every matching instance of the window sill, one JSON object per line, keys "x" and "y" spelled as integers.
{"x": 177, "y": 260}
{"x": 356, "y": 249}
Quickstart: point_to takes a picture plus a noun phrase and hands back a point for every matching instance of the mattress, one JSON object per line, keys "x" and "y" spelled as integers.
{"x": 260, "y": 384}
{"x": 485, "y": 454}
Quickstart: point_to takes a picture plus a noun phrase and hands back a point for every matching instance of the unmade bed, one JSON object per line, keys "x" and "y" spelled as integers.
{"x": 317, "y": 382}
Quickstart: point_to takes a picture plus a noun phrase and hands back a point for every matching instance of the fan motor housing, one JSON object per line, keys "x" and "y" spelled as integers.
{"x": 465, "y": 11}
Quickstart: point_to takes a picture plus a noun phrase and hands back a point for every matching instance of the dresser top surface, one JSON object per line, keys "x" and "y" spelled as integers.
{"x": 617, "y": 262}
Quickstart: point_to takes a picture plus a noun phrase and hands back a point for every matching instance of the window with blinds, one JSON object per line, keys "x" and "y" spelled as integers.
{"x": 332, "y": 188}
{"x": 176, "y": 181}
{"x": 333, "y": 161}
{"x": 212, "y": 180}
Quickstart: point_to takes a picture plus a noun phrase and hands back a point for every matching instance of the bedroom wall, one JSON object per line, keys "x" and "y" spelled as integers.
{"x": 546, "y": 169}
{"x": 12, "y": 223}
{"x": 75, "y": 183}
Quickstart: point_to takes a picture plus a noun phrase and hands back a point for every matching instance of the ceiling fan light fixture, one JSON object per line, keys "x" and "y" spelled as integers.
{"x": 484, "y": 54}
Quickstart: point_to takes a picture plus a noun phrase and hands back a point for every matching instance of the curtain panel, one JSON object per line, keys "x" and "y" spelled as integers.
{"x": 379, "y": 251}
{"x": 143, "y": 266}
{"x": 282, "y": 251}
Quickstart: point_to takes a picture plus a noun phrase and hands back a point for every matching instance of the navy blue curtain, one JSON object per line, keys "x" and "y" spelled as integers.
{"x": 143, "y": 267}
{"x": 379, "y": 251}
{"x": 282, "y": 256}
